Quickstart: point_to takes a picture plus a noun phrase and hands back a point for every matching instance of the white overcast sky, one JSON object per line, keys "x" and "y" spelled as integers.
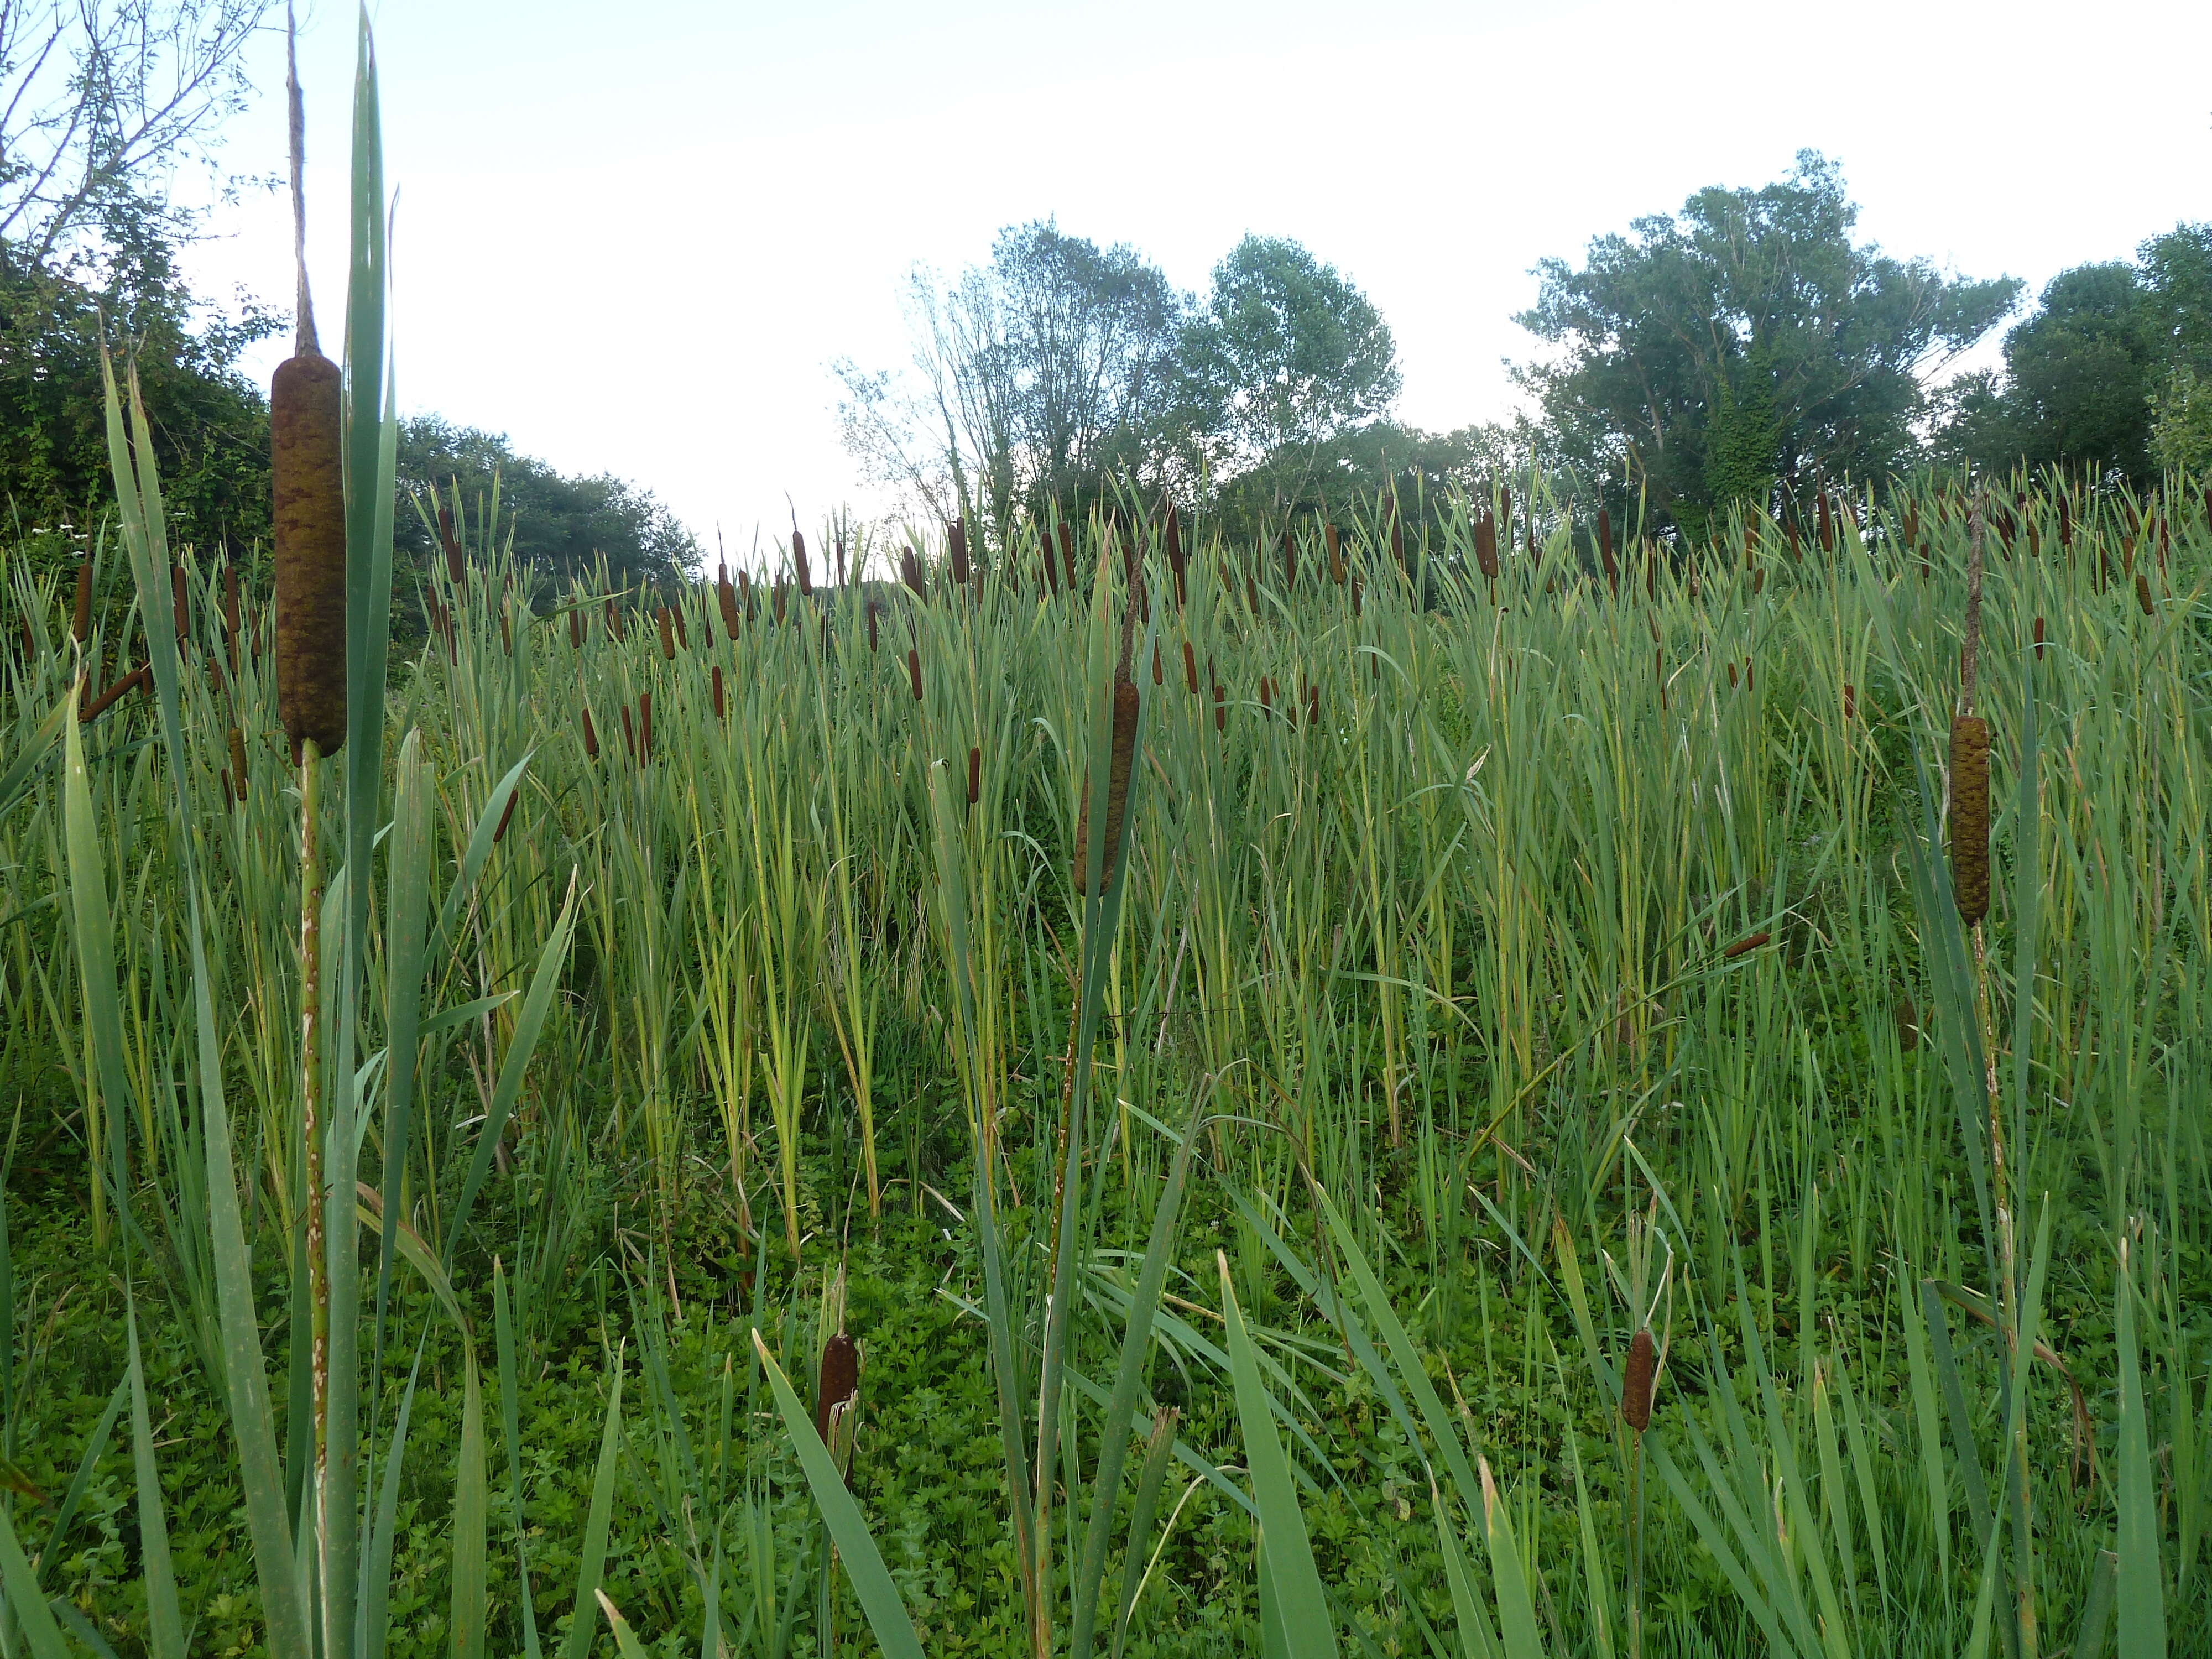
{"x": 633, "y": 236}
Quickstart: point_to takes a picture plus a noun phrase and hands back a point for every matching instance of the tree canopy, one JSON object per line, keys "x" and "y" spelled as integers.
{"x": 2111, "y": 375}
{"x": 1746, "y": 344}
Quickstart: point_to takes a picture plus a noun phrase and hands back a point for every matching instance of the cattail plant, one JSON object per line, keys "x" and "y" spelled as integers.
{"x": 1123, "y": 752}
{"x": 1290, "y": 560}
{"x": 873, "y": 609}
{"x": 1173, "y": 538}
{"x": 451, "y": 544}
{"x": 2143, "y": 594}
{"x": 974, "y": 774}
{"x": 726, "y": 596}
{"x": 575, "y": 628}
{"x": 1068, "y": 553}
{"x": 1190, "y": 668}
{"x": 910, "y": 572}
{"x": 714, "y": 683}
{"x": 591, "y": 736}
{"x": 308, "y": 520}
{"x": 234, "y": 741}
{"x": 800, "y": 567}
{"x": 81, "y": 618}
{"x": 956, "y": 543}
{"x": 1486, "y": 545}
{"x": 1605, "y": 551}
{"x": 667, "y": 633}
{"x": 2039, "y": 639}
{"x": 913, "y": 670}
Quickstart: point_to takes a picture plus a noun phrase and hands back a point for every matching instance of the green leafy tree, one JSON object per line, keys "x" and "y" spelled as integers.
{"x": 1287, "y": 361}
{"x": 210, "y": 423}
{"x": 1042, "y": 376}
{"x": 1747, "y": 343}
{"x": 562, "y": 526}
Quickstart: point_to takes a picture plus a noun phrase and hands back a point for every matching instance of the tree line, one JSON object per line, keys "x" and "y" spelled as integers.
{"x": 1747, "y": 348}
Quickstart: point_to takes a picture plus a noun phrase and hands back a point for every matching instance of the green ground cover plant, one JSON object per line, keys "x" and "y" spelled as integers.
{"x": 1448, "y": 1084}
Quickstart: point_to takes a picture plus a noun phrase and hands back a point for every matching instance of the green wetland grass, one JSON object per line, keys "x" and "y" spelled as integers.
{"x": 1431, "y": 1087}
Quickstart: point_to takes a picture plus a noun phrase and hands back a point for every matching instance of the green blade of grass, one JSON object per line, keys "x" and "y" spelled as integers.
{"x": 2142, "y": 1582}
{"x": 1305, "y": 1628}
{"x": 543, "y": 985}
{"x": 593, "y": 1558}
{"x": 165, "y": 1625}
{"x": 879, "y": 1597}
{"x": 472, "y": 1501}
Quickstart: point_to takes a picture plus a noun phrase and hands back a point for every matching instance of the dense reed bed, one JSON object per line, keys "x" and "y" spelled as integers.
{"x": 1577, "y": 958}
{"x": 1457, "y": 1083}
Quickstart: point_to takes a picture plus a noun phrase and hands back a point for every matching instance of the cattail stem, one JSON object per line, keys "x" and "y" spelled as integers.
{"x": 311, "y": 1114}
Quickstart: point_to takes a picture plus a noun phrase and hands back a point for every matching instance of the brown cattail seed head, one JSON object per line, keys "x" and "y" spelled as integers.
{"x": 726, "y": 596}
{"x": 2143, "y": 594}
{"x": 1851, "y": 700}
{"x": 1190, "y": 668}
{"x": 230, "y": 612}
{"x": 506, "y": 814}
{"x": 1485, "y": 546}
{"x": 839, "y": 1382}
{"x": 1970, "y": 817}
{"x": 1067, "y": 554}
{"x": 914, "y": 670}
{"x": 307, "y": 478}
{"x": 719, "y": 709}
{"x": 667, "y": 632}
{"x": 799, "y": 565}
{"x": 974, "y": 774}
{"x": 1636, "y": 1382}
{"x": 910, "y": 572}
{"x": 782, "y": 599}
{"x": 1744, "y": 947}
{"x": 451, "y": 544}
{"x": 2039, "y": 639}
{"x": 958, "y": 539}
{"x": 591, "y": 737}
{"x": 575, "y": 628}
{"x": 1220, "y": 708}
{"x": 1119, "y": 761}
{"x": 1827, "y": 525}
{"x": 237, "y": 743}
{"x": 1157, "y": 677}
{"x": 873, "y": 609}
{"x": 1290, "y": 561}
{"x": 1605, "y": 550}
{"x": 81, "y": 620}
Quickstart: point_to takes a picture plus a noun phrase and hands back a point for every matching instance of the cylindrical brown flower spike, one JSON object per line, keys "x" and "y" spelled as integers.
{"x": 236, "y": 741}
{"x": 506, "y": 814}
{"x": 307, "y": 477}
{"x": 974, "y": 774}
{"x": 726, "y": 596}
{"x": 717, "y": 681}
{"x": 1174, "y": 537}
{"x": 2142, "y": 595}
{"x": 1190, "y": 667}
{"x": 667, "y": 634}
{"x": 914, "y": 670}
{"x": 873, "y": 609}
{"x": 1637, "y": 1382}
{"x": 230, "y": 629}
{"x": 1067, "y": 554}
{"x": 840, "y": 1380}
{"x": 591, "y": 737}
{"x": 799, "y": 565}
{"x": 1605, "y": 551}
{"x": 1970, "y": 817}
{"x": 80, "y": 619}
{"x": 2039, "y": 639}
{"x": 1119, "y": 759}
{"x": 958, "y": 539}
